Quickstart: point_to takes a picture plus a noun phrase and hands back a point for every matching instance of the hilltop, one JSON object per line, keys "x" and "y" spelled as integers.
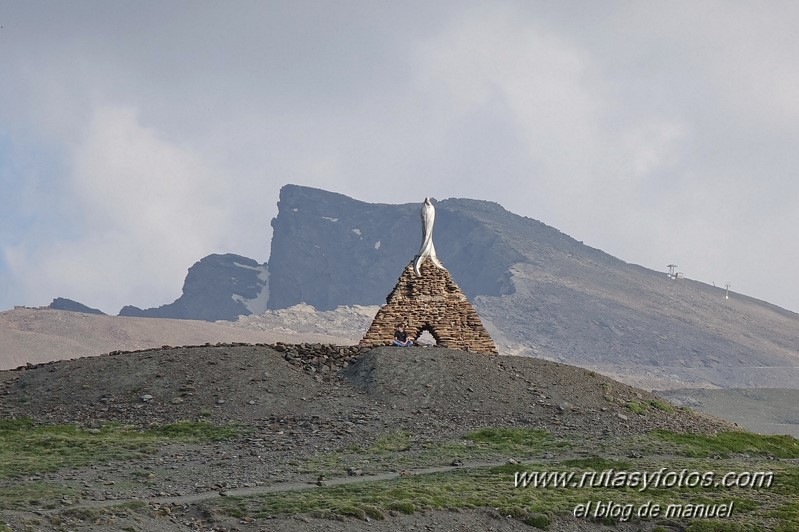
{"x": 296, "y": 412}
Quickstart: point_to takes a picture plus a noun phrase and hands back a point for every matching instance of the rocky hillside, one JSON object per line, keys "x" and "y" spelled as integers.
{"x": 428, "y": 424}
{"x": 456, "y": 390}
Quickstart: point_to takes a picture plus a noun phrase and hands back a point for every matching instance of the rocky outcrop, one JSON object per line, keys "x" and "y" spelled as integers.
{"x": 330, "y": 250}
{"x": 61, "y": 303}
{"x": 218, "y": 287}
{"x": 430, "y": 302}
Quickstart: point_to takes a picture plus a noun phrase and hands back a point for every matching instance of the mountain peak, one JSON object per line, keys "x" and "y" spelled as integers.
{"x": 61, "y": 303}
{"x": 217, "y": 287}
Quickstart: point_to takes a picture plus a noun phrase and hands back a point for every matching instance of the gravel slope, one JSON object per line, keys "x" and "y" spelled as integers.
{"x": 434, "y": 394}
{"x": 251, "y": 383}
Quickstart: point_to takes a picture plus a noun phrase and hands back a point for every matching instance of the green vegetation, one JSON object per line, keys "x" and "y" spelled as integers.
{"x": 716, "y": 526}
{"x": 392, "y": 442}
{"x": 597, "y": 463}
{"x": 772, "y": 507}
{"x": 494, "y": 488}
{"x": 789, "y": 483}
{"x": 73, "y": 518}
{"x": 402, "y": 450}
{"x": 511, "y": 439}
{"x": 788, "y": 514}
{"x": 727, "y": 443}
{"x": 639, "y": 407}
{"x": 537, "y": 521}
{"x": 26, "y": 448}
{"x": 32, "y": 495}
{"x": 485, "y": 487}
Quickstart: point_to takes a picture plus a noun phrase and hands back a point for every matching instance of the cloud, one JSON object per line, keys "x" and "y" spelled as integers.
{"x": 656, "y": 131}
{"x": 664, "y": 140}
{"x": 148, "y": 209}
{"x": 578, "y": 158}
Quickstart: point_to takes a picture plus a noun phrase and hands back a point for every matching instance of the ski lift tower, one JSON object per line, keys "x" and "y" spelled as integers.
{"x": 727, "y": 292}
{"x": 672, "y": 274}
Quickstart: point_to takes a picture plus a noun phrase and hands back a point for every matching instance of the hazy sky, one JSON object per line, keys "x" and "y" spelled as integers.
{"x": 137, "y": 137}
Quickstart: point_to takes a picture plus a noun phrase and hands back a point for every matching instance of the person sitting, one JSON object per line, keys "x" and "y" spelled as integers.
{"x": 401, "y": 337}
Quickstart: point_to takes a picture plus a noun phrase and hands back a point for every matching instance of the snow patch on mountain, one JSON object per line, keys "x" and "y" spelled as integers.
{"x": 256, "y": 305}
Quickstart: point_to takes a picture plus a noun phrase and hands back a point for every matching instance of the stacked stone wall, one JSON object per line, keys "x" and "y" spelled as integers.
{"x": 321, "y": 359}
{"x": 430, "y": 302}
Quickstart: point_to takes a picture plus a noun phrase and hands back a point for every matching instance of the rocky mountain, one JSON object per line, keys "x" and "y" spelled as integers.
{"x": 539, "y": 291}
{"x": 218, "y": 287}
{"x": 61, "y": 303}
{"x": 330, "y": 250}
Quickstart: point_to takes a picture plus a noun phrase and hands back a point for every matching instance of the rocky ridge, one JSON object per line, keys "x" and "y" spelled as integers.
{"x": 218, "y": 287}
{"x": 61, "y": 303}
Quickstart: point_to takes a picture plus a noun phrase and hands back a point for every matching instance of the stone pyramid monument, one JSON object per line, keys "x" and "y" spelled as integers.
{"x": 426, "y": 298}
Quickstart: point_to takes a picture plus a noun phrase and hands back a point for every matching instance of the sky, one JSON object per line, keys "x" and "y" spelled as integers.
{"x": 137, "y": 137}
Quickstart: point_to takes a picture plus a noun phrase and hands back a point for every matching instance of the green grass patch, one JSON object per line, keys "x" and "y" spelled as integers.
{"x": 494, "y": 488}
{"x": 659, "y": 404}
{"x": 597, "y": 463}
{"x": 32, "y": 495}
{"x": 195, "y": 431}
{"x": 726, "y": 443}
{"x": 771, "y": 508}
{"x": 640, "y": 407}
{"x": 788, "y": 482}
{"x": 788, "y": 514}
{"x": 514, "y": 440}
{"x": 540, "y": 521}
{"x": 716, "y": 526}
{"x": 490, "y": 488}
{"x": 392, "y": 442}
{"x": 27, "y": 449}
{"x": 400, "y": 449}
{"x": 406, "y": 507}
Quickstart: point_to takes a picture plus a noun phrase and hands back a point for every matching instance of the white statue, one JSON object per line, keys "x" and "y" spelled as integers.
{"x": 427, "y": 249}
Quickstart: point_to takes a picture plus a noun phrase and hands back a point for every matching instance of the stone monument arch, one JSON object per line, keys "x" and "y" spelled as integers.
{"x": 426, "y": 298}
